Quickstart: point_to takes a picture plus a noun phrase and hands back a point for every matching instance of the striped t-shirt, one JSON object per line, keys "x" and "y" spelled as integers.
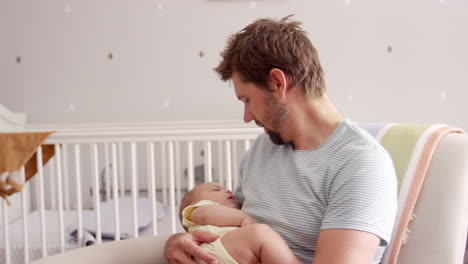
{"x": 348, "y": 182}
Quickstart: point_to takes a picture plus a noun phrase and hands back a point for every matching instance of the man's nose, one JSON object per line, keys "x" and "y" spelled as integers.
{"x": 248, "y": 115}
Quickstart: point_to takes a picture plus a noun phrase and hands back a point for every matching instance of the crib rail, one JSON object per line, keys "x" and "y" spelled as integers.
{"x": 126, "y": 126}
{"x": 178, "y": 135}
{"x": 157, "y": 162}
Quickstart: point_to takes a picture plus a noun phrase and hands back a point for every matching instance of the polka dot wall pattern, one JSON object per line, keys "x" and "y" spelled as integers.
{"x": 125, "y": 61}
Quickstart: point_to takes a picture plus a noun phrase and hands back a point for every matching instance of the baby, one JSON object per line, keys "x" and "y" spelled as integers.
{"x": 208, "y": 207}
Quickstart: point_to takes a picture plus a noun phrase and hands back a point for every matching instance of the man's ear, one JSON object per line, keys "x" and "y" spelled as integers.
{"x": 279, "y": 82}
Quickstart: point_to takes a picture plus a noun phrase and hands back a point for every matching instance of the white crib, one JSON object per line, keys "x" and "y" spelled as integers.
{"x": 113, "y": 181}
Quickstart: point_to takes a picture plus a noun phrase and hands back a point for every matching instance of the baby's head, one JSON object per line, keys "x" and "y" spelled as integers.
{"x": 209, "y": 191}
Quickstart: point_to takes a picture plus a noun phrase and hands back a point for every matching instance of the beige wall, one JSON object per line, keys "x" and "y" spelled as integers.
{"x": 156, "y": 73}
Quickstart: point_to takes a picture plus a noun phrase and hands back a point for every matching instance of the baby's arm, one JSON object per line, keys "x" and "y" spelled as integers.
{"x": 219, "y": 215}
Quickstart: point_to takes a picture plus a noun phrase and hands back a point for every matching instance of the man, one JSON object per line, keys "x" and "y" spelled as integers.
{"x": 327, "y": 187}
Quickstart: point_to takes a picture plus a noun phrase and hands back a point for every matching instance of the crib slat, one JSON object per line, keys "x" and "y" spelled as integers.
{"x": 148, "y": 177}
{"x": 227, "y": 162}
{"x": 6, "y": 235}
{"x": 171, "y": 186}
{"x": 41, "y": 201}
{"x": 96, "y": 193}
{"x": 163, "y": 172}
{"x": 246, "y": 148}
{"x": 78, "y": 194}
{"x": 115, "y": 193}
{"x": 58, "y": 168}
{"x": 24, "y": 198}
{"x": 220, "y": 163}
{"x": 134, "y": 189}
{"x": 66, "y": 178}
{"x": 190, "y": 172}
{"x": 107, "y": 171}
{"x": 246, "y": 145}
{"x": 208, "y": 165}
{"x": 235, "y": 173}
{"x": 177, "y": 170}
{"x": 121, "y": 169}
{"x": 152, "y": 185}
{"x": 52, "y": 183}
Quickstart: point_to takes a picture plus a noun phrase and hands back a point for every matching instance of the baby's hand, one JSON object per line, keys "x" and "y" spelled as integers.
{"x": 247, "y": 221}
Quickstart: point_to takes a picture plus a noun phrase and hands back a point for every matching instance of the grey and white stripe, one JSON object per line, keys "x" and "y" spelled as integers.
{"x": 348, "y": 182}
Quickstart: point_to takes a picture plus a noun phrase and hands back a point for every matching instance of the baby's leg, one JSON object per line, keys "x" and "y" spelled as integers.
{"x": 257, "y": 243}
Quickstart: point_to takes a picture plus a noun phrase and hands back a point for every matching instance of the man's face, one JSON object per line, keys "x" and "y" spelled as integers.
{"x": 262, "y": 107}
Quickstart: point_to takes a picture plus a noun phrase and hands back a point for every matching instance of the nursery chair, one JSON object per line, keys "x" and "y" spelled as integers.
{"x": 437, "y": 234}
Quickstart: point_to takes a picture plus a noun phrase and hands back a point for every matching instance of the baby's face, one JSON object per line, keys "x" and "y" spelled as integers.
{"x": 214, "y": 192}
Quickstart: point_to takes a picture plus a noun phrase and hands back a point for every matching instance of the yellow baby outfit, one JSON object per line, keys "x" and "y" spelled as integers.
{"x": 215, "y": 248}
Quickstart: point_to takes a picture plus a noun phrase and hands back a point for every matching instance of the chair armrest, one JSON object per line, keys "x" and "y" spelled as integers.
{"x": 438, "y": 232}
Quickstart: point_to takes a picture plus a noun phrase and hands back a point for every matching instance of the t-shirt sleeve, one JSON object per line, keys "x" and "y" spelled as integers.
{"x": 363, "y": 195}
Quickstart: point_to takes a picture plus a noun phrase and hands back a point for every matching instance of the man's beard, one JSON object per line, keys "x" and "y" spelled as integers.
{"x": 277, "y": 113}
{"x": 276, "y": 138}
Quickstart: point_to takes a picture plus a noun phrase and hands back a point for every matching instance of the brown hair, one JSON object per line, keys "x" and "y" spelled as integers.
{"x": 267, "y": 44}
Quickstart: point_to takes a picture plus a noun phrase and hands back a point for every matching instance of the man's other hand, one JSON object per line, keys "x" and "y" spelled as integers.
{"x": 185, "y": 248}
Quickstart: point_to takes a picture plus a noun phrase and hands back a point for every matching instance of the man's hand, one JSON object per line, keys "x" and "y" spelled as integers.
{"x": 184, "y": 248}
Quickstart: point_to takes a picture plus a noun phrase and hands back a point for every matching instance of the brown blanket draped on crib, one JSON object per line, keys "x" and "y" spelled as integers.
{"x": 18, "y": 150}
